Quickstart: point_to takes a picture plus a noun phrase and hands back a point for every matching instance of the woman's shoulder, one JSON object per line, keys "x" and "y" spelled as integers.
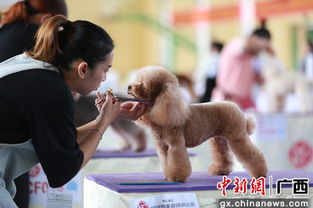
{"x": 36, "y": 82}
{"x": 20, "y": 26}
{"x": 49, "y": 80}
{"x": 16, "y": 38}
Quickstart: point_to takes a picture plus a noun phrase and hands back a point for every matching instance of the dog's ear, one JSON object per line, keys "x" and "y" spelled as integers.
{"x": 169, "y": 108}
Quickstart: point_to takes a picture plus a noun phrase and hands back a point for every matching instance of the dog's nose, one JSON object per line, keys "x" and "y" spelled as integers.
{"x": 129, "y": 87}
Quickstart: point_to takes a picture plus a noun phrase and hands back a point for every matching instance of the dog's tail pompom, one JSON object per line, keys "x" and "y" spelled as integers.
{"x": 250, "y": 125}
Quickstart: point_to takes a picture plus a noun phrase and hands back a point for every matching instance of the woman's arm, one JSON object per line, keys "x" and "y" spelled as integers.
{"x": 83, "y": 131}
{"x": 90, "y": 140}
{"x": 90, "y": 134}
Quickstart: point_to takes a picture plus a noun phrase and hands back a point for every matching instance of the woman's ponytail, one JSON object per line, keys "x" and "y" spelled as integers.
{"x": 263, "y": 24}
{"x": 47, "y": 39}
{"x": 17, "y": 12}
{"x": 60, "y": 42}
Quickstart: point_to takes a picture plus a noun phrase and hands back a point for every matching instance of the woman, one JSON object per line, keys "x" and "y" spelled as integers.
{"x": 21, "y": 21}
{"x": 20, "y": 24}
{"x": 36, "y": 115}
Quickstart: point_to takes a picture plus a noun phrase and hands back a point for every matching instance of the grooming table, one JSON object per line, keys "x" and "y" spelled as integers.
{"x": 103, "y": 161}
{"x": 109, "y": 190}
{"x": 127, "y": 161}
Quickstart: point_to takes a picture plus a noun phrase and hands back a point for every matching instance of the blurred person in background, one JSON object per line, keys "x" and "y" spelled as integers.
{"x": 19, "y": 25}
{"x": 186, "y": 85}
{"x": 307, "y": 65}
{"x": 205, "y": 74}
{"x": 21, "y": 22}
{"x": 239, "y": 70}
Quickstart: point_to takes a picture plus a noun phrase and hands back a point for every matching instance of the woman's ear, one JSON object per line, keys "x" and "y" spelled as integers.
{"x": 169, "y": 108}
{"x": 82, "y": 69}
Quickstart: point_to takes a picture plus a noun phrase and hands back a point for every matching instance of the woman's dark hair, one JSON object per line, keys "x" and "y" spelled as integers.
{"x": 310, "y": 45}
{"x": 262, "y": 32}
{"x": 217, "y": 45}
{"x": 60, "y": 42}
{"x": 22, "y": 10}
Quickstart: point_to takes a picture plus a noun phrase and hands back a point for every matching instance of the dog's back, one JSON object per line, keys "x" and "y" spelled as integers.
{"x": 211, "y": 119}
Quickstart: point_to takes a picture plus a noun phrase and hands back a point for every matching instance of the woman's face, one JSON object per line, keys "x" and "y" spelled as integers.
{"x": 258, "y": 44}
{"x": 97, "y": 75}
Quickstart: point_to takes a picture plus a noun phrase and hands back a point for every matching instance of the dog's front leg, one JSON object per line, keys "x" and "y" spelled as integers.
{"x": 178, "y": 164}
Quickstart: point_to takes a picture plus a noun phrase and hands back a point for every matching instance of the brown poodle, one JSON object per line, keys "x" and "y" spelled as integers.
{"x": 177, "y": 125}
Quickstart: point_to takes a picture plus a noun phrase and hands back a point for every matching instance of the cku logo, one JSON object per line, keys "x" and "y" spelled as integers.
{"x": 301, "y": 154}
{"x": 142, "y": 204}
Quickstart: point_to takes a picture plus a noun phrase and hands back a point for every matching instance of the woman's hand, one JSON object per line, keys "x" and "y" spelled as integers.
{"x": 132, "y": 110}
{"x": 109, "y": 108}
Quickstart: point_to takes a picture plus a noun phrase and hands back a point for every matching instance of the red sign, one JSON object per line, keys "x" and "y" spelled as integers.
{"x": 223, "y": 185}
{"x": 300, "y": 154}
{"x": 264, "y": 9}
{"x": 258, "y": 186}
{"x": 240, "y": 185}
{"x": 142, "y": 204}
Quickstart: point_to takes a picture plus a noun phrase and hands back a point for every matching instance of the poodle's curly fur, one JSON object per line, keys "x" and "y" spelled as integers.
{"x": 177, "y": 125}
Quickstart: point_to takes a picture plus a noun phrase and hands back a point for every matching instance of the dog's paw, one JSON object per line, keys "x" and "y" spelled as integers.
{"x": 124, "y": 147}
{"x": 215, "y": 169}
{"x": 259, "y": 173}
{"x": 139, "y": 147}
{"x": 177, "y": 178}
